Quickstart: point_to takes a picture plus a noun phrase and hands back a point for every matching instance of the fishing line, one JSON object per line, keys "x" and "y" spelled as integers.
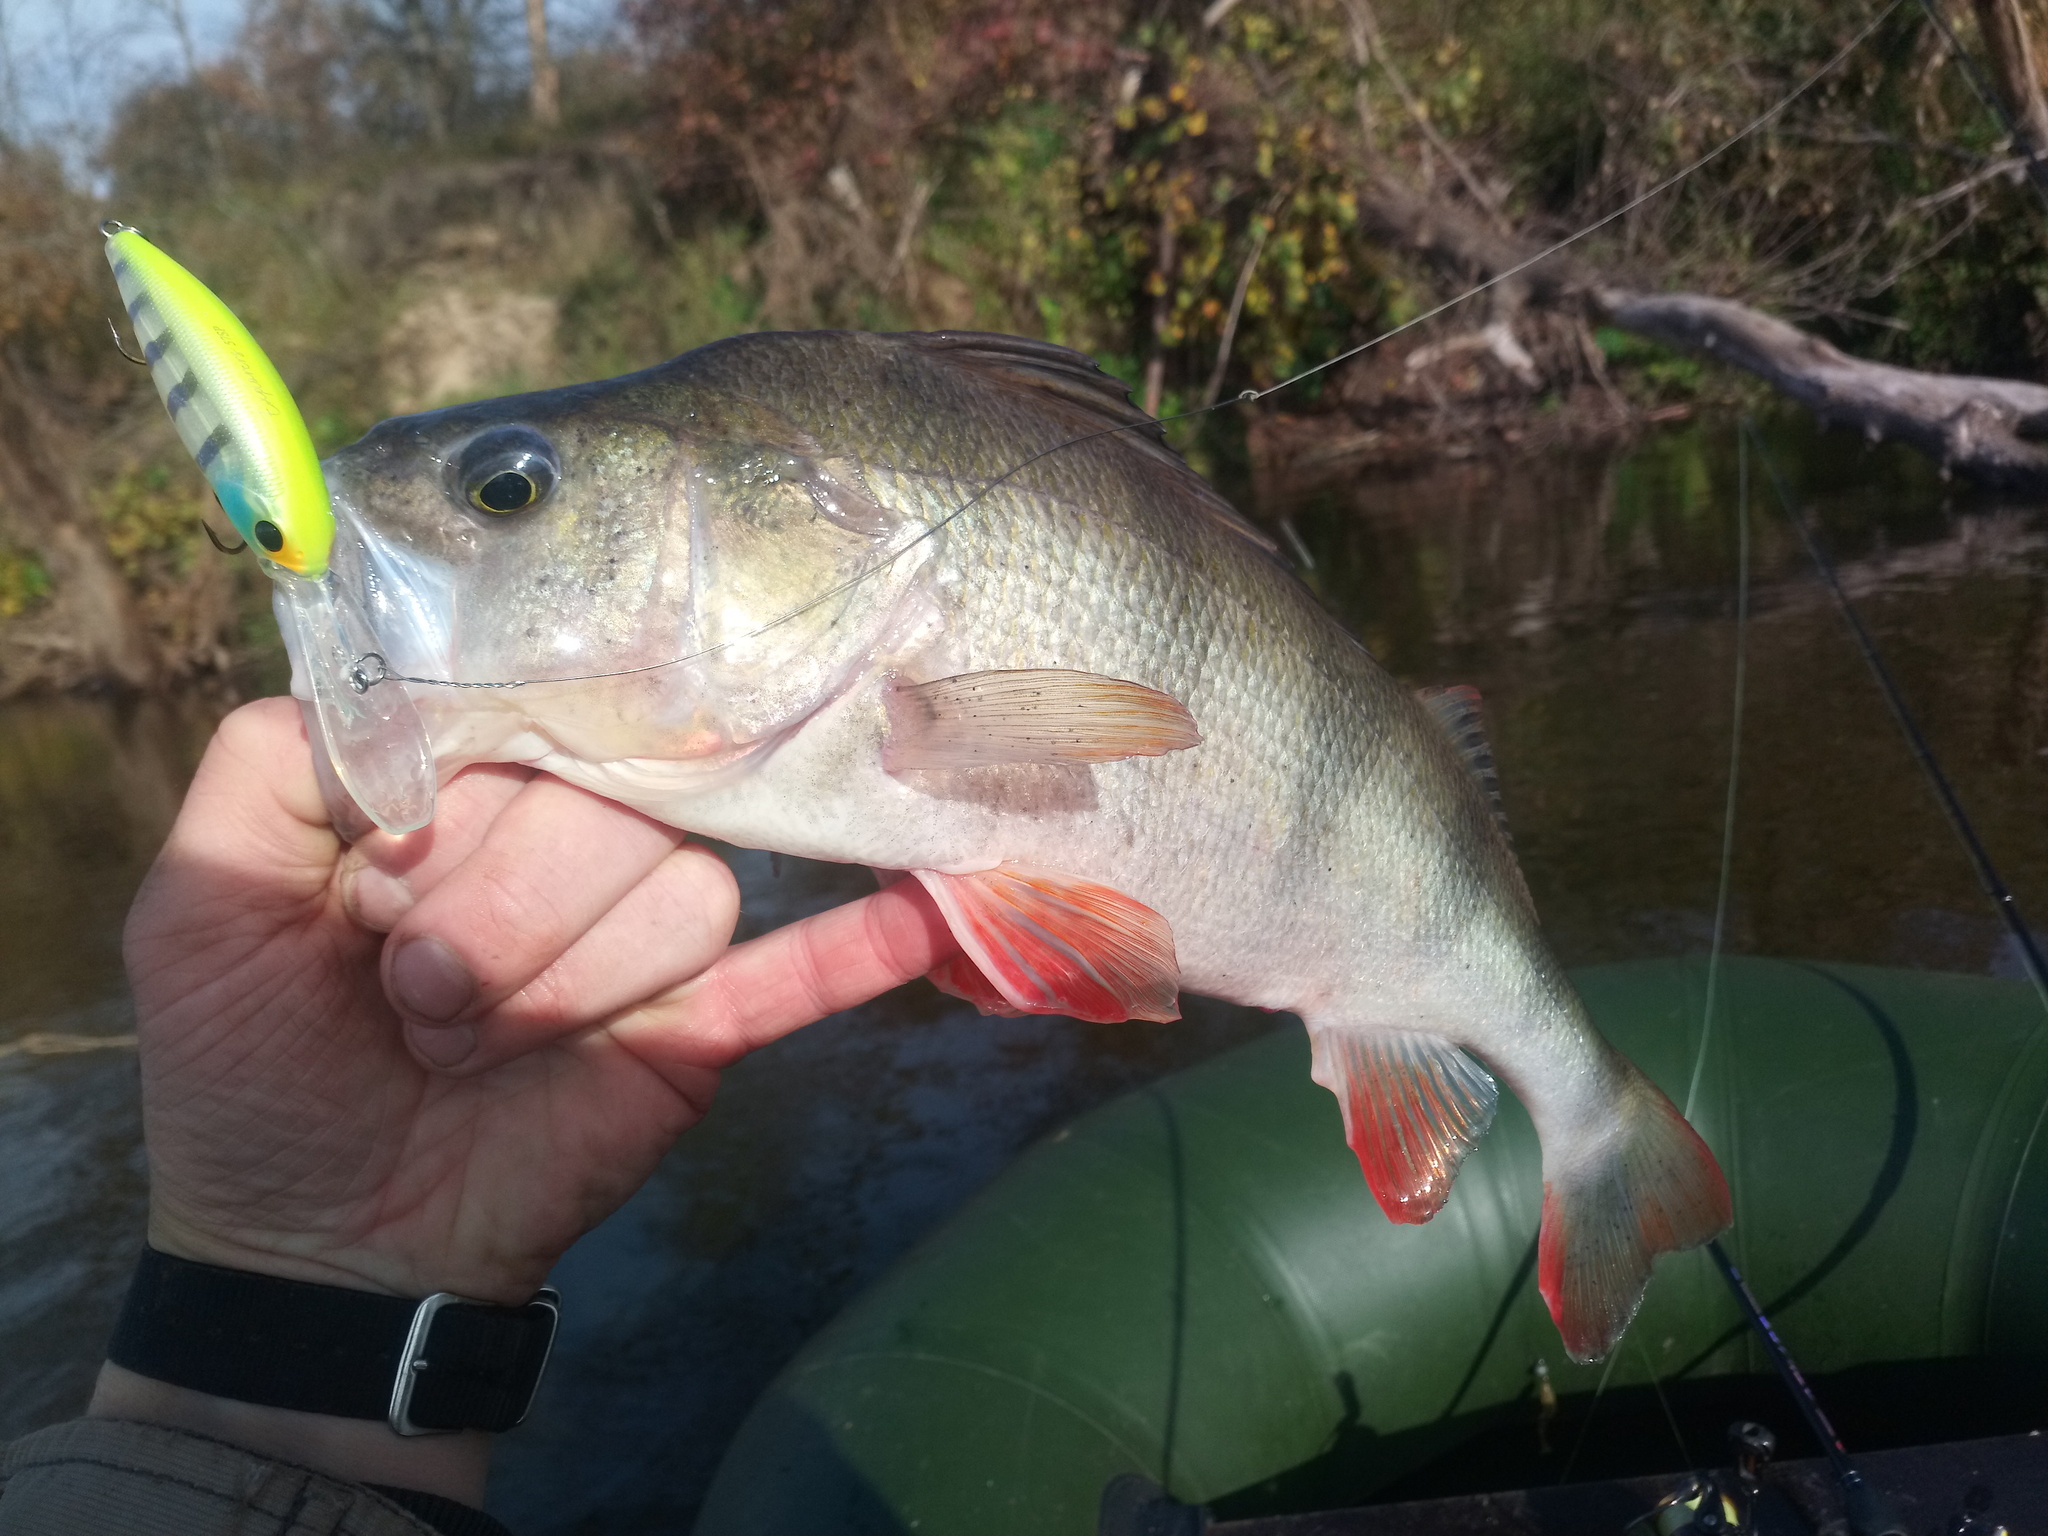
{"x": 362, "y": 678}
{"x": 1699, "y": 1063}
{"x": 1593, "y": 1407}
{"x": 1657, "y": 1386}
{"x": 1952, "y": 806}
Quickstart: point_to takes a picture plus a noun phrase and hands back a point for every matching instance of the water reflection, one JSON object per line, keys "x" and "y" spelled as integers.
{"x": 1589, "y": 597}
{"x": 88, "y": 788}
{"x": 1591, "y": 601}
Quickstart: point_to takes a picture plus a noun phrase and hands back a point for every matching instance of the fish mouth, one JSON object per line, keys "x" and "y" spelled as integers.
{"x": 406, "y": 599}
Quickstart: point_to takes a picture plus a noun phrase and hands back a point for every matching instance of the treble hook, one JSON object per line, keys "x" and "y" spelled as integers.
{"x": 214, "y": 539}
{"x": 120, "y": 347}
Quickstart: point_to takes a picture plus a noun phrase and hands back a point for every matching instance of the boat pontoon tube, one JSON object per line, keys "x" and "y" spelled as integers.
{"x": 1193, "y": 1283}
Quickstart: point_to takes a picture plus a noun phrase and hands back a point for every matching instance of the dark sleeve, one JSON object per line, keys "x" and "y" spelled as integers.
{"x": 89, "y": 1477}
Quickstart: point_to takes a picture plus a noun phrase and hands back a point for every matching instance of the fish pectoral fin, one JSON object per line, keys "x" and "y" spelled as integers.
{"x": 1041, "y": 715}
{"x": 1648, "y": 1185}
{"x": 1413, "y": 1106}
{"x": 1044, "y": 942}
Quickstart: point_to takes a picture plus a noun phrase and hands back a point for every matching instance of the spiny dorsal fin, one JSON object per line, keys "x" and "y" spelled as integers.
{"x": 1050, "y": 368}
{"x": 1101, "y": 399}
{"x": 1456, "y": 710}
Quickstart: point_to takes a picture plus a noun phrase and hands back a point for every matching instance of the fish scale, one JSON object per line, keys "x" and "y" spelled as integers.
{"x": 1258, "y": 811}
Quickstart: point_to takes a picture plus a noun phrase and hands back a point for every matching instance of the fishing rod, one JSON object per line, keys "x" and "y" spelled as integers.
{"x": 1981, "y": 863}
{"x": 1869, "y": 1512}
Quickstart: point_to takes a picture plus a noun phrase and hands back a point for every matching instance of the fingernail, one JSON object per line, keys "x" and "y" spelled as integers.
{"x": 429, "y": 981}
{"x": 443, "y": 1047}
{"x": 374, "y": 899}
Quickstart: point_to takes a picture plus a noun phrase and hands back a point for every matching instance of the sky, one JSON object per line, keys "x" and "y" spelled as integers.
{"x": 65, "y": 63}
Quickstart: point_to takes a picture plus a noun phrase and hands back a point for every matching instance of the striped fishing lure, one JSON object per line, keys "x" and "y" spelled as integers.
{"x": 232, "y": 411}
{"x": 241, "y": 426}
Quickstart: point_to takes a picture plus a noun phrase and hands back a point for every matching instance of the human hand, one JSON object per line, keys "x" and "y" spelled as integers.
{"x": 431, "y": 1063}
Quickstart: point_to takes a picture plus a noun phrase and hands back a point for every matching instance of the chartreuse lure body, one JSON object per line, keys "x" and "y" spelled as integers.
{"x": 232, "y": 411}
{"x": 243, "y": 429}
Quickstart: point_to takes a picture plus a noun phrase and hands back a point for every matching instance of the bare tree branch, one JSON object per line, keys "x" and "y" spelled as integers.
{"x": 1979, "y": 427}
{"x": 2012, "y": 68}
{"x": 1983, "y": 428}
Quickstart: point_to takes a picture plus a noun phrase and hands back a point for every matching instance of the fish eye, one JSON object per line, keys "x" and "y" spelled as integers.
{"x": 507, "y": 471}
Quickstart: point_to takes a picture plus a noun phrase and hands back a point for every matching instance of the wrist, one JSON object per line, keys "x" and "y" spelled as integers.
{"x": 297, "y": 1260}
{"x": 356, "y": 1383}
{"x": 361, "y": 1450}
{"x": 299, "y": 1257}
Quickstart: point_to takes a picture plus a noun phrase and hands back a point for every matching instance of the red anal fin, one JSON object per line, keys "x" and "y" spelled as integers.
{"x": 1655, "y": 1188}
{"x": 1045, "y": 715}
{"x": 1051, "y": 943}
{"x": 1413, "y": 1106}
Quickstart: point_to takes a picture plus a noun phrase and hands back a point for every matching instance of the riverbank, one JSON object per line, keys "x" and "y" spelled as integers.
{"x": 1197, "y": 196}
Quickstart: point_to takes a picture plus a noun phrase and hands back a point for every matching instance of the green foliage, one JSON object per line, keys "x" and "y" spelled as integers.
{"x": 150, "y": 519}
{"x": 23, "y": 582}
{"x": 1662, "y": 371}
{"x": 1117, "y": 178}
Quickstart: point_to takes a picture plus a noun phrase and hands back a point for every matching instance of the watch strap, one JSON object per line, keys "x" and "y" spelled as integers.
{"x": 445, "y": 1363}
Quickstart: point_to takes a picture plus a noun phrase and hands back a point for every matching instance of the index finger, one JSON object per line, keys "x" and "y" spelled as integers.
{"x": 768, "y": 987}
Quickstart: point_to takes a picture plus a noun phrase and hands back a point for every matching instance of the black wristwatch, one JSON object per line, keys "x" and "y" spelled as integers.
{"x": 424, "y": 1367}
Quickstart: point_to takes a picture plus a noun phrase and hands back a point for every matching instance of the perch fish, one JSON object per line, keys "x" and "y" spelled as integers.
{"x": 1095, "y": 716}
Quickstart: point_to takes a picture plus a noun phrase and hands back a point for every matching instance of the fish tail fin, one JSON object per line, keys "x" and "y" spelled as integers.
{"x": 1648, "y": 1185}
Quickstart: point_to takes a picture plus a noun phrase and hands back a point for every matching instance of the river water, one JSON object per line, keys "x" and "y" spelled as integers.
{"x": 1589, "y": 596}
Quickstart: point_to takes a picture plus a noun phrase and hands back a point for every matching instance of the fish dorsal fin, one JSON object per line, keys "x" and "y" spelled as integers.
{"x": 1413, "y": 1106}
{"x": 1097, "y": 400}
{"x": 1456, "y": 710}
{"x": 1051, "y": 369}
{"x": 1035, "y": 715}
{"x": 1039, "y": 941}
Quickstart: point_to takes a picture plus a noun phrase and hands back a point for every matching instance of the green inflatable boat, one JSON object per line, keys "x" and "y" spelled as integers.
{"x": 1193, "y": 1283}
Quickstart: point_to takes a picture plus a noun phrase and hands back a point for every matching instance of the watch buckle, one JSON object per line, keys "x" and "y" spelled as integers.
{"x": 412, "y": 1362}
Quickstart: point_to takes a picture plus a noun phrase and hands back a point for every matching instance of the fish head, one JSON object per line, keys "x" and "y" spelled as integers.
{"x": 650, "y": 567}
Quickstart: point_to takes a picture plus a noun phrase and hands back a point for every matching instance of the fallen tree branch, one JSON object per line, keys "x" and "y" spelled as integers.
{"x": 1980, "y": 427}
{"x": 1983, "y": 428}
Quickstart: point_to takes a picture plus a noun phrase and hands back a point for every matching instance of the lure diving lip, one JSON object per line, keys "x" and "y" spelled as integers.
{"x": 239, "y": 422}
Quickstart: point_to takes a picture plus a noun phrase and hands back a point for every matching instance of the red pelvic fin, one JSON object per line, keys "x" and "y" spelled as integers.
{"x": 1051, "y": 943}
{"x": 1653, "y": 1189}
{"x": 960, "y": 977}
{"x": 1413, "y": 1106}
{"x": 1044, "y": 715}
